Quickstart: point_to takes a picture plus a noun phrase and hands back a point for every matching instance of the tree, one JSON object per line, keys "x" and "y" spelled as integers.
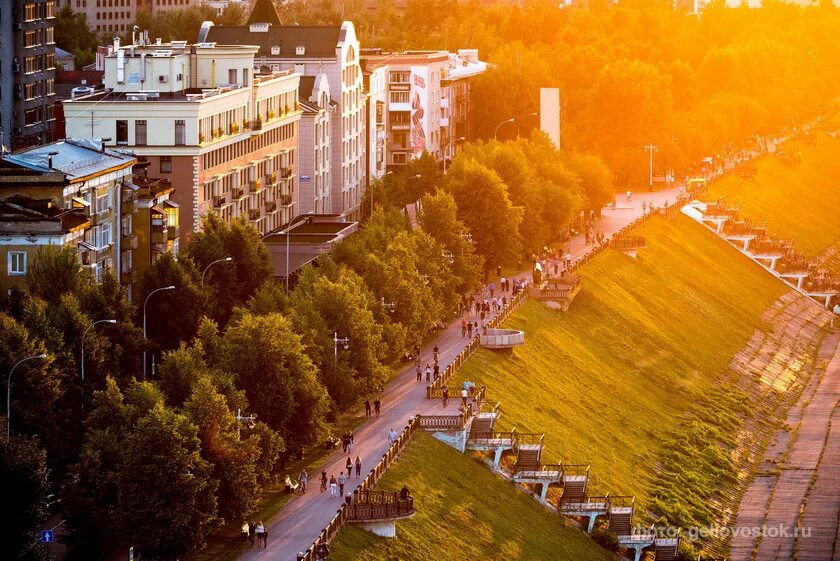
{"x": 73, "y": 34}
{"x": 23, "y": 471}
{"x": 486, "y": 209}
{"x": 54, "y": 271}
{"x": 167, "y": 497}
{"x": 281, "y": 383}
{"x": 233, "y": 283}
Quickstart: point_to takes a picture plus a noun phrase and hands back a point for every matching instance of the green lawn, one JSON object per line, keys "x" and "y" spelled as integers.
{"x": 799, "y": 201}
{"x": 464, "y": 512}
{"x": 644, "y": 340}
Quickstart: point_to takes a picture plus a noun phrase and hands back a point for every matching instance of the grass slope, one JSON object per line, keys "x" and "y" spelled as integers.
{"x": 799, "y": 201}
{"x": 642, "y": 342}
{"x": 464, "y": 512}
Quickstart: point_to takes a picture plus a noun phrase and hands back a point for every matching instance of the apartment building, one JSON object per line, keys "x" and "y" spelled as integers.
{"x": 311, "y": 51}
{"x": 118, "y": 16}
{"x": 376, "y": 88}
{"x": 154, "y": 222}
{"x": 68, "y": 193}
{"x": 315, "y": 141}
{"x": 224, "y": 135}
{"x": 27, "y": 72}
{"x": 426, "y": 96}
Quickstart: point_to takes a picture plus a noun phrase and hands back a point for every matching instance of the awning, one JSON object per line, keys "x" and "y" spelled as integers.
{"x": 84, "y": 246}
{"x": 129, "y": 185}
{"x": 157, "y": 210}
{"x": 79, "y": 202}
{"x": 171, "y": 204}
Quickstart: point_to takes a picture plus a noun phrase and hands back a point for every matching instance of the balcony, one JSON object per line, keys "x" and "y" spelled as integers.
{"x": 129, "y": 241}
{"x": 270, "y": 206}
{"x": 237, "y": 193}
{"x": 286, "y": 200}
{"x": 159, "y": 234}
{"x": 255, "y": 186}
{"x": 128, "y": 277}
{"x": 271, "y": 178}
{"x": 400, "y": 126}
{"x": 219, "y": 201}
{"x": 253, "y": 214}
{"x": 256, "y": 127}
{"x": 286, "y": 173}
{"x": 129, "y": 206}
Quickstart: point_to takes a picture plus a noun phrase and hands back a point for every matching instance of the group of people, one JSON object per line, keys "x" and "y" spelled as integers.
{"x": 347, "y": 441}
{"x": 255, "y": 530}
{"x": 377, "y": 407}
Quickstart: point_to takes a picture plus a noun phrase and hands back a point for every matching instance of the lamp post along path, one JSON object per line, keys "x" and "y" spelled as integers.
{"x": 9, "y": 392}
{"x": 145, "y": 302}
{"x": 83, "y": 340}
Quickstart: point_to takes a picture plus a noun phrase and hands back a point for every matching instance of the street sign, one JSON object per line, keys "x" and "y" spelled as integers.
{"x": 47, "y": 536}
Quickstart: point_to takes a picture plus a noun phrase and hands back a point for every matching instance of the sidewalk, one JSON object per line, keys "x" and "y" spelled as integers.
{"x": 301, "y": 520}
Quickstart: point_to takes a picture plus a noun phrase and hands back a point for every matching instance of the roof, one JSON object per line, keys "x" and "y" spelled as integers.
{"x": 61, "y": 53}
{"x": 320, "y": 41}
{"x": 19, "y": 213}
{"x": 264, "y": 12}
{"x": 75, "y": 157}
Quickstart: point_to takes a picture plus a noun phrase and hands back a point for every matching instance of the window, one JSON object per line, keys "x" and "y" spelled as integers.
{"x": 399, "y": 97}
{"x": 17, "y": 262}
{"x": 166, "y": 164}
{"x": 400, "y": 77}
{"x": 140, "y": 132}
{"x": 122, "y": 132}
{"x": 180, "y": 132}
{"x": 105, "y": 235}
{"x": 232, "y": 76}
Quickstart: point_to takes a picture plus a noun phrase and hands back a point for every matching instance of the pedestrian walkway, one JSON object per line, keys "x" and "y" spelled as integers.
{"x": 304, "y": 517}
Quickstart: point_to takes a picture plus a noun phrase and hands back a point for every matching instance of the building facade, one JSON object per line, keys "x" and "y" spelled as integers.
{"x": 315, "y": 141}
{"x": 118, "y": 16}
{"x": 311, "y": 51}
{"x": 376, "y": 87}
{"x": 426, "y": 98}
{"x": 224, "y": 135}
{"x": 27, "y": 72}
{"x": 77, "y": 183}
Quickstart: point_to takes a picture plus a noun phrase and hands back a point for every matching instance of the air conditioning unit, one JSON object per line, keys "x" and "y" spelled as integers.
{"x": 163, "y": 78}
{"x": 19, "y": 91}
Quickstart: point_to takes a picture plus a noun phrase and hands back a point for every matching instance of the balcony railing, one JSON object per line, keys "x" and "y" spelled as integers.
{"x": 173, "y": 232}
{"x": 285, "y": 200}
{"x": 271, "y": 178}
{"x": 253, "y": 214}
{"x": 255, "y": 186}
{"x": 219, "y": 201}
{"x": 270, "y": 206}
{"x": 237, "y": 193}
{"x": 129, "y": 241}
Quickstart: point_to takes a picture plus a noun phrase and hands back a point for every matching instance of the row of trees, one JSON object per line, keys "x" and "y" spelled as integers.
{"x": 160, "y": 462}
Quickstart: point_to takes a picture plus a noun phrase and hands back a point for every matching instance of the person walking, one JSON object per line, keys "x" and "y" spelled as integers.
{"x": 358, "y": 467}
{"x": 469, "y": 329}
{"x": 428, "y": 373}
{"x": 304, "y": 479}
{"x": 244, "y": 531}
{"x": 377, "y": 406}
{"x": 333, "y": 486}
{"x": 260, "y": 533}
{"x": 503, "y": 284}
{"x": 464, "y": 395}
{"x": 342, "y": 481}
{"x": 323, "y": 480}
{"x": 492, "y": 288}
{"x": 498, "y": 270}
{"x": 344, "y": 442}
{"x": 349, "y": 442}
{"x": 463, "y": 327}
{"x": 393, "y": 436}
{"x": 367, "y": 408}
{"x": 252, "y": 532}
{"x": 436, "y": 372}
{"x": 265, "y": 538}
{"x": 349, "y": 465}
{"x": 419, "y": 374}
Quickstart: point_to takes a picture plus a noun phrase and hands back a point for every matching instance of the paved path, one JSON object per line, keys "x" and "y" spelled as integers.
{"x": 304, "y": 517}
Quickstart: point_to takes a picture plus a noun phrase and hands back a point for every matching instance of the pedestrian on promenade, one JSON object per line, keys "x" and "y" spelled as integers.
{"x": 464, "y": 395}
{"x": 303, "y": 478}
{"x": 367, "y": 408}
{"x": 252, "y": 532}
{"x": 629, "y": 196}
{"x": 342, "y": 481}
{"x": 260, "y": 533}
{"x": 463, "y": 329}
{"x": 358, "y": 467}
{"x": 498, "y": 270}
{"x": 419, "y": 374}
{"x": 377, "y": 406}
{"x": 644, "y": 207}
{"x": 492, "y": 289}
{"x": 265, "y": 537}
{"x": 350, "y": 441}
{"x": 436, "y": 371}
{"x": 504, "y": 302}
{"x": 392, "y": 436}
{"x": 349, "y": 466}
{"x": 323, "y": 480}
{"x": 469, "y": 329}
{"x": 333, "y": 486}
{"x": 244, "y": 531}
{"x": 344, "y": 442}
{"x": 428, "y": 373}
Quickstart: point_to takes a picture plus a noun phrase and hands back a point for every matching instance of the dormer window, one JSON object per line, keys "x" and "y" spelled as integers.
{"x": 275, "y": 50}
{"x": 300, "y": 50}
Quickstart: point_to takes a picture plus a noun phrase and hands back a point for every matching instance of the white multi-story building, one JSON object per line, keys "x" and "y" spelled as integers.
{"x": 314, "y": 153}
{"x": 427, "y": 100}
{"x": 376, "y": 86}
{"x": 310, "y": 51}
{"x": 223, "y": 134}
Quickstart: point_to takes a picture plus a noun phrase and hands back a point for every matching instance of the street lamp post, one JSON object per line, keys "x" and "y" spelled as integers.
{"x": 146, "y": 301}
{"x": 83, "y": 340}
{"x": 9, "y": 392}
{"x": 496, "y": 132}
{"x": 651, "y": 148}
{"x": 222, "y": 260}
{"x": 534, "y": 114}
{"x": 336, "y": 340}
{"x": 409, "y": 178}
{"x": 456, "y": 141}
